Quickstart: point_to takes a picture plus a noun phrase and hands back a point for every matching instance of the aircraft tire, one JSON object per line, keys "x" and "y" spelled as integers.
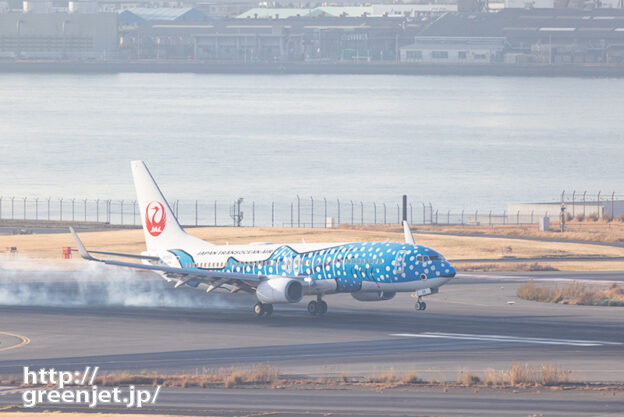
{"x": 258, "y": 309}
{"x": 268, "y": 309}
{"x": 321, "y": 307}
{"x": 313, "y": 308}
{"x": 423, "y": 306}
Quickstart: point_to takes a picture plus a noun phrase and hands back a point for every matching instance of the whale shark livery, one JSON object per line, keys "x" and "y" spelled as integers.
{"x": 276, "y": 273}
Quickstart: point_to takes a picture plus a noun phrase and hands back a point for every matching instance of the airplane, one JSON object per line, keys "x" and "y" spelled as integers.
{"x": 276, "y": 273}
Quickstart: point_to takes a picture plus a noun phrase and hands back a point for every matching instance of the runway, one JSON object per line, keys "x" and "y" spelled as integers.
{"x": 475, "y": 323}
{"x": 343, "y": 403}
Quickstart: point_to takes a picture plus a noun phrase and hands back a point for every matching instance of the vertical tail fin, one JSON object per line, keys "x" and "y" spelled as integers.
{"x": 160, "y": 226}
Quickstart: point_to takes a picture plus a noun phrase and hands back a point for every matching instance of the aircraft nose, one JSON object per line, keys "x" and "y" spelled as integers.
{"x": 451, "y": 272}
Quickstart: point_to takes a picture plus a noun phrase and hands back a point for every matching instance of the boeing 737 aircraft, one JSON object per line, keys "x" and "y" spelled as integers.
{"x": 277, "y": 274}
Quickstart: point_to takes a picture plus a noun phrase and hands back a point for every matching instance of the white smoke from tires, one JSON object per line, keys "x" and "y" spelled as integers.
{"x": 26, "y": 283}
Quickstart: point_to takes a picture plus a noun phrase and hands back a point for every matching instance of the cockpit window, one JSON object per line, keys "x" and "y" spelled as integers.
{"x": 435, "y": 257}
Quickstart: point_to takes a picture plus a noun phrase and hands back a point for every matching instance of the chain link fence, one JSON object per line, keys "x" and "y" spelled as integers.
{"x": 307, "y": 212}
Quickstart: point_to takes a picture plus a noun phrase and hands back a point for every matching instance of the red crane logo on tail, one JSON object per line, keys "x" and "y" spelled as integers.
{"x": 155, "y": 218}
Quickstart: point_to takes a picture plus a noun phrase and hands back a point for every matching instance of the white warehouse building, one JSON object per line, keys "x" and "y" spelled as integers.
{"x": 453, "y": 50}
{"x": 613, "y": 208}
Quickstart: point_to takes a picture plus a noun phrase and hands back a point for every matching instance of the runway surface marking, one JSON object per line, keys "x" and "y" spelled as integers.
{"x": 505, "y": 339}
{"x": 24, "y": 341}
{"x": 536, "y": 279}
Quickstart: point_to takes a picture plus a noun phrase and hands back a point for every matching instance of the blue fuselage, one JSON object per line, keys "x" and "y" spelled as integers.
{"x": 350, "y": 265}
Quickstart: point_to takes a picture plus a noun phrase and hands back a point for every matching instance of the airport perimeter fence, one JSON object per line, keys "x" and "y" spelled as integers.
{"x": 300, "y": 212}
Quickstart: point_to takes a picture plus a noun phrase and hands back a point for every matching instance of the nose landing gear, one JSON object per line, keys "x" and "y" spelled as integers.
{"x": 262, "y": 309}
{"x": 420, "y": 305}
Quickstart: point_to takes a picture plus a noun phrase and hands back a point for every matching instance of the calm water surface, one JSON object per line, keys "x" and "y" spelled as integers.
{"x": 461, "y": 142}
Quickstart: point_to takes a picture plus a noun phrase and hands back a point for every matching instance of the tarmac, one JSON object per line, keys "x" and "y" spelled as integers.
{"x": 475, "y": 323}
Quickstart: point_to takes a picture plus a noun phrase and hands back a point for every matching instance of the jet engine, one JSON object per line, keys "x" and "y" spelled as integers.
{"x": 373, "y": 296}
{"x": 279, "y": 290}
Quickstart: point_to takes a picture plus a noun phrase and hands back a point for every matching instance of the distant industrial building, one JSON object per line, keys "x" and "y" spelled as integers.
{"x": 517, "y": 36}
{"x": 375, "y": 10}
{"x": 139, "y": 15}
{"x": 296, "y": 39}
{"x": 58, "y": 35}
{"x": 454, "y": 50}
{"x": 611, "y": 208}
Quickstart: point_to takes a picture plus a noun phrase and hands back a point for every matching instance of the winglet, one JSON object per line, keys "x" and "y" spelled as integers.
{"x": 81, "y": 248}
{"x": 408, "y": 235}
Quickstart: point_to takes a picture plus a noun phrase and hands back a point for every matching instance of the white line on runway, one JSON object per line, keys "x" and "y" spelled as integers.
{"x": 535, "y": 278}
{"x": 505, "y": 339}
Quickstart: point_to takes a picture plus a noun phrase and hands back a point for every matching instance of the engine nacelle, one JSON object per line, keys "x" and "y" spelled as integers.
{"x": 373, "y": 296}
{"x": 279, "y": 290}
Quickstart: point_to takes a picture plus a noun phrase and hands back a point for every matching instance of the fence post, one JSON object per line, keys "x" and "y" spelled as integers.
{"x": 298, "y": 211}
{"x": 384, "y": 206}
{"x": 352, "y": 221}
{"x": 61, "y": 209}
{"x": 504, "y": 217}
{"x": 215, "y": 212}
{"x": 436, "y": 216}
{"x": 25, "y": 198}
{"x": 361, "y": 213}
{"x": 518, "y": 217}
{"x": 424, "y": 213}
{"x": 338, "y": 200}
{"x": 325, "y": 218}
{"x": 253, "y": 214}
{"x": 49, "y": 198}
{"x": 573, "y": 195}
{"x": 462, "y": 217}
{"x": 431, "y": 212}
{"x": 311, "y": 212}
{"x": 196, "y": 222}
{"x": 134, "y": 212}
{"x": 375, "y": 212}
{"x": 36, "y": 207}
{"x": 584, "y": 192}
{"x": 490, "y": 218}
{"x": 73, "y": 209}
{"x": 448, "y": 217}
{"x": 411, "y": 214}
{"x": 613, "y": 205}
{"x": 272, "y": 213}
{"x": 85, "y": 209}
{"x": 291, "y": 215}
{"x": 598, "y": 205}
{"x": 121, "y": 211}
{"x": 476, "y": 217}
{"x": 398, "y": 214}
{"x": 178, "y": 210}
{"x": 12, "y": 208}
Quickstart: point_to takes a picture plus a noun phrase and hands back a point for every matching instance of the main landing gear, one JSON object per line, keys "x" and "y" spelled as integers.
{"x": 420, "y": 305}
{"x": 318, "y": 307}
{"x": 262, "y": 309}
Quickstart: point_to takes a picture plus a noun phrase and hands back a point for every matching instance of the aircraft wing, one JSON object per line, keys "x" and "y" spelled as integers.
{"x": 215, "y": 279}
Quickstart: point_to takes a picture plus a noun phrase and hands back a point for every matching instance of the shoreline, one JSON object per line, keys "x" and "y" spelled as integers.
{"x": 198, "y": 67}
